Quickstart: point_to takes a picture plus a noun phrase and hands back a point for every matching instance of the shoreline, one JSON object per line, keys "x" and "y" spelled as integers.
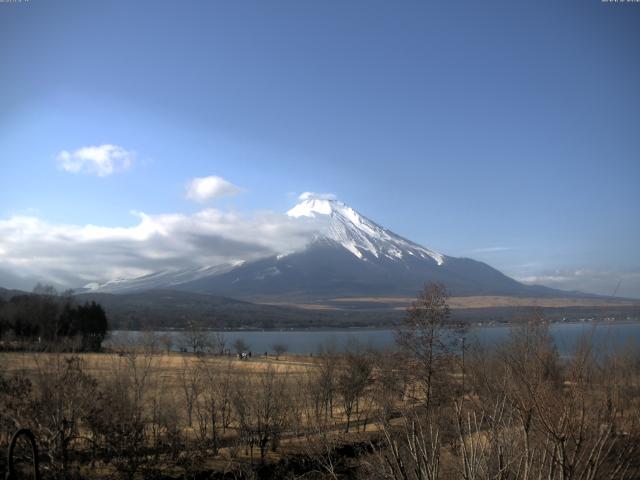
{"x": 378, "y": 328}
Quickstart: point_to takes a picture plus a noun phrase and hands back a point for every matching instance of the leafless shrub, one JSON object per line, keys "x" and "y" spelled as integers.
{"x": 322, "y": 385}
{"x": 410, "y": 451}
{"x": 354, "y": 377}
{"x": 262, "y": 410}
{"x": 120, "y": 417}
{"x": 213, "y": 407}
{"x": 190, "y": 385}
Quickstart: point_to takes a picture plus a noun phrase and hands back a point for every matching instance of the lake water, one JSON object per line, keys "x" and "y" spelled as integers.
{"x": 565, "y": 335}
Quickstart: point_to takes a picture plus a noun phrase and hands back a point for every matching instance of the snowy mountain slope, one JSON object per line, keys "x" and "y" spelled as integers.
{"x": 358, "y": 234}
{"x": 326, "y": 269}
{"x": 349, "y": 255}
{"x": 157, "y": 280}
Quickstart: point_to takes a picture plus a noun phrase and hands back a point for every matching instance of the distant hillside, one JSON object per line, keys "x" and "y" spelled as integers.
{"x": 170, "y": 309}
{"x": 167, "y": 309}
{"x": 6, "y": 294}
{"x": 159, "y": 309}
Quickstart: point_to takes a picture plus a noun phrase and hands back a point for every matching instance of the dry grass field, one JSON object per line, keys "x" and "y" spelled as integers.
{"x": 459, "y": 303}
{"x": 142, "y": 414}
{"x": 169, "y": 369}
{"x": 498, "y": 301}
{"x": 170, "y": 382}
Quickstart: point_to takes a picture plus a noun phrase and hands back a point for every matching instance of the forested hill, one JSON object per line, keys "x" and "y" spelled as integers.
{"x": 160, "y": 309}
{"x": 48, "y": 319}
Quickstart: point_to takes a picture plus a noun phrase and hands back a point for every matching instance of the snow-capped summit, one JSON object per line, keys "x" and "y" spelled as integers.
{"x": 356, "y": 233}
{"x": 311, "y": 207}
{"x": 348, "y": 256}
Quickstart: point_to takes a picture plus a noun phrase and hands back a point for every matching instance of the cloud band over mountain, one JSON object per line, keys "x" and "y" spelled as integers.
{"x": 34, "y": 250}
{"x": 72, "y": 255}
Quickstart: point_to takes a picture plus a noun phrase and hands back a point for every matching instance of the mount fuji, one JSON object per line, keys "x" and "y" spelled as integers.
{"x": 349, "y": 255}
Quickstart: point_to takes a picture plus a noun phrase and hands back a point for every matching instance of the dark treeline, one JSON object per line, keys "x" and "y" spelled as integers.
{"x": 168, "y": 309}
{"x": 52, "y": 319}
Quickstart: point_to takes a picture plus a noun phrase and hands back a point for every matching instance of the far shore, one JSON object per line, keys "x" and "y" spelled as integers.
{"x": 488, "y": 301}
{"x": 471, "y": 325}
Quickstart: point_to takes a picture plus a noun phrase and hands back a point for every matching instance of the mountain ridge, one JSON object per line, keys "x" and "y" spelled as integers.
{"x": 348, "y": 255}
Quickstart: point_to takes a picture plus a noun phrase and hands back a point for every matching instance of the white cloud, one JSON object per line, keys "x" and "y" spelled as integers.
{"x": 202, "y": 189}
{"x": 318, "y": 196}
{"x": 74, "y": 255}
{"x": 102, "y": 160}
{"x": 602, "y": 282}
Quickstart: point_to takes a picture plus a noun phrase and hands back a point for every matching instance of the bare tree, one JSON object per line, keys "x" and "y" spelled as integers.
{"x": 279, "y": 349}
{"x": 120, "y": 412}
{"x": 410, "y": 452}
{"x": 217, "y": 342}
{"x": 262, "y": 410}
{"x": 353, "y": 379}
{"x": 63, "y": 398}
{"x": 239, "y": 345}
{"x": 149, "y": 342}
{"x": 166, "y": 340}
{"x": 423, "y": 335}
{"x": 190, "y": 384}
{"x": 214, "y": 408}
{"x": 533, "y": 415}
{"x": 195, "y": 337}
{"x": 392, "y": 379}
{"x": 164, "y": 432}
{"x": 321, "y": 448}
{"x": 323, "y": 385}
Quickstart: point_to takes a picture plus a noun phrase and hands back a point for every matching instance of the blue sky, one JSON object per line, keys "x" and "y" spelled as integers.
{"x": 502, "y": 131}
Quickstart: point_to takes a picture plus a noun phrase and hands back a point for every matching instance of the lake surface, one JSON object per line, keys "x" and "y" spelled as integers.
{"x": 605, "y": 337}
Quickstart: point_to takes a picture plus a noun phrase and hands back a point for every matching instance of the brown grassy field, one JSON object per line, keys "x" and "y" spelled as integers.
{"x": 498, "y": 301}
{"x": 166, "y": 383}
{"x": 478, "y": 301}
{"x": 168, "y": 367}
{"x": 141, "y": 414}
